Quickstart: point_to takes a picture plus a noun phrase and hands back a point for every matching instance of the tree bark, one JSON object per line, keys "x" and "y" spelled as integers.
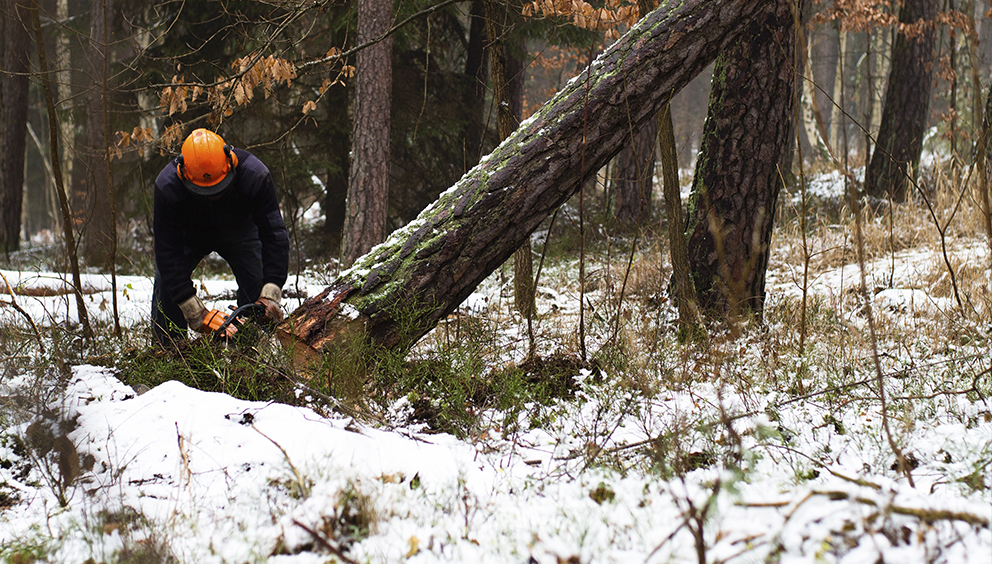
{"x": 983, "y": 158}
{"x": 13, "y": 120}
{"x": 368, "y": 180}
{"x": 398, "y": 292}
{"x": 98, "y": 237}
{"x": 506, "y": 122}
{"x": 838, "y": 122}
{"x": 477, "y": 68}
{"x": 907, "y": 103}
{"x": 633, "y": 179}
{"x": 64, "y": 69}
{"x": 53, "y": 138}
{"x": 737, "y": 179}
{"x": 684, "y": 293}
{"x": 338, "y": 144}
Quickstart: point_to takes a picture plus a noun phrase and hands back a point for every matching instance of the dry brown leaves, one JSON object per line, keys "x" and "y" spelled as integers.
{"x": 614, "y": 15}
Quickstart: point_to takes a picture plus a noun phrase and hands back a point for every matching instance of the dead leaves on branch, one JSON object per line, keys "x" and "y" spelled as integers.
{"x": 138, "y": 135}
{"x": 607, "y": 19}
{"x": 867, "y": 15}
{"x": 251, "y": 74}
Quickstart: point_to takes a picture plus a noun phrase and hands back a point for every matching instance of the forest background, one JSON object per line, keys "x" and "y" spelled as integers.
{"x": 837, "y": 416}
{"x": 128, "y": 82}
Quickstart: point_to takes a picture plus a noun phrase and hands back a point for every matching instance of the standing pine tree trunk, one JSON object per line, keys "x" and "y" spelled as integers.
{"x": 98, "y": 238}
{"x": 633, "y": 172}
{"x": 737, "y": 179}
{"x": 477, "y": 68}
{"x": 633, "y": 178}
{"x": 508, "y": 112}
{"x": 368, "y": 181}
{"x": 907, "y": 103}
{"x": 13, "y": 121}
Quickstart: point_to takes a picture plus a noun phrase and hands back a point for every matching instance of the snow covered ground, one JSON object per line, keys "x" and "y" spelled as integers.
{"x": 738, "y": 467}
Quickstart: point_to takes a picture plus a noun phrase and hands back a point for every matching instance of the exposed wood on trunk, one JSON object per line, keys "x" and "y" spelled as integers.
{"x": 398, "y": 291}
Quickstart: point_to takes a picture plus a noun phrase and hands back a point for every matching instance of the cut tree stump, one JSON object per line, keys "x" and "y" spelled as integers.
{"x": 399, "y": 291}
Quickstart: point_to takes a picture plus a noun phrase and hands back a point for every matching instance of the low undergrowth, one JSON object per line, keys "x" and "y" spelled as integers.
{"x": 599, "y": 397}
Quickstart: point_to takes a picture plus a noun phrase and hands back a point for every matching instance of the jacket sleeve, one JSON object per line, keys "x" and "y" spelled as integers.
{"x": 271, "y": 230}
{"x": 170, "y": 260}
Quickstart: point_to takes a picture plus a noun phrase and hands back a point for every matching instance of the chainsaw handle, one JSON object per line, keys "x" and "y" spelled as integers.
{"x": 253, "y": 310}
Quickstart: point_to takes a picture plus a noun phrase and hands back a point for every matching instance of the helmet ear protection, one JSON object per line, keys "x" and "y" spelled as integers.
{"x": 206, "y": 165}
{"x": 232, "y": 160}
{"x": 231, "y": 157}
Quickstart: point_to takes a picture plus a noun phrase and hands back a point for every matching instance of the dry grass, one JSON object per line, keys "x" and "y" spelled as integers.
{"x": 627, "y": 307}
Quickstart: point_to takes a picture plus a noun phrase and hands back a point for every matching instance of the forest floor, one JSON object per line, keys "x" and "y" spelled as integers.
{"x": 774, "y": 441}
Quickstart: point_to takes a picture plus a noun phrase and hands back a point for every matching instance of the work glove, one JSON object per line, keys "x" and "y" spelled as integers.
{"x": 199, "y": 319}
{"x": 270, "y": 297}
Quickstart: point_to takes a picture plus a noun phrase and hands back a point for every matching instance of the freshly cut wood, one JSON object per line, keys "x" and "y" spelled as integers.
{"x": 397, "y": 292}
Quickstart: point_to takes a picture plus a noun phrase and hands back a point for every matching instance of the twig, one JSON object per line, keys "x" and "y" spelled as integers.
{"x": 301, "y": 483}
{"x": 832, "y": 389}
{"x": 925, "y": 515}
{"x": 13, "y": 304}
{"x": 860, "y": 243}
{"x": 324, "y": 542}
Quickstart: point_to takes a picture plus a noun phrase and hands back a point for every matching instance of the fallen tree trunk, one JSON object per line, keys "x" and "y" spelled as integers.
{"x": 397, "y": 292}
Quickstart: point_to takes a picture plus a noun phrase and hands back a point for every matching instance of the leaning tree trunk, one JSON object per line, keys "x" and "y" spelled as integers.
{"x": 14, "y": 120}
{"x": 397, "y": 292}
{"x": 737, "y": 179}
{"x": 907, "y": 102}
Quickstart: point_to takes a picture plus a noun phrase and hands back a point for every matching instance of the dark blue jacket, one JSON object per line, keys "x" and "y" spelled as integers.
{"x": 248, "y": 209}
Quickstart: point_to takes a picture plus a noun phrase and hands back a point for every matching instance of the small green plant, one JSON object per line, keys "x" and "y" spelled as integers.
{"x": 20, "y": 552}
{"x": 141, "y": 542}
{"x": 602, "y": 494}
{"x": 205, "y": 365}
{"x": 354, "y": 517}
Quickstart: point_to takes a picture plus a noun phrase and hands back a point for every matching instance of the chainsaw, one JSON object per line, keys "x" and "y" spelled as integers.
{"x": 217, "y": 321}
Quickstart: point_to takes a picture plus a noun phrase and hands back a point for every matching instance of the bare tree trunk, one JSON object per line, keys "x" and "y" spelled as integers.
{"x": 812, "y": 116}
{"x": 684, "y": 293}
{"x": 476, "y": 67}
{"x": 506, "y": 122}
{"x": 53, "y": 129}
{"x": 737, "y": 179}
{"x": 837, "y": 120}
{"x": 336, "y": 183}
{"x": 983, "y": 159}
{"x": 63, "y": 90}
{"x": 13, "y": 120}
{"x": 907, "y": 102}
{"x": 104, "y": 13}
{"x": 524, "y": 283}
{"x": 633, "y": 178}
{"x": 880, "y": 74}
{"x": 398, "y": 292}
{"x": 368, "y": 181}
{"x": 98, "y": 237}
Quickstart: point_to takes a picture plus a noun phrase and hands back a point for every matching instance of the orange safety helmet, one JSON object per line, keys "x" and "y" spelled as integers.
{"x": 206, "y": 164}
